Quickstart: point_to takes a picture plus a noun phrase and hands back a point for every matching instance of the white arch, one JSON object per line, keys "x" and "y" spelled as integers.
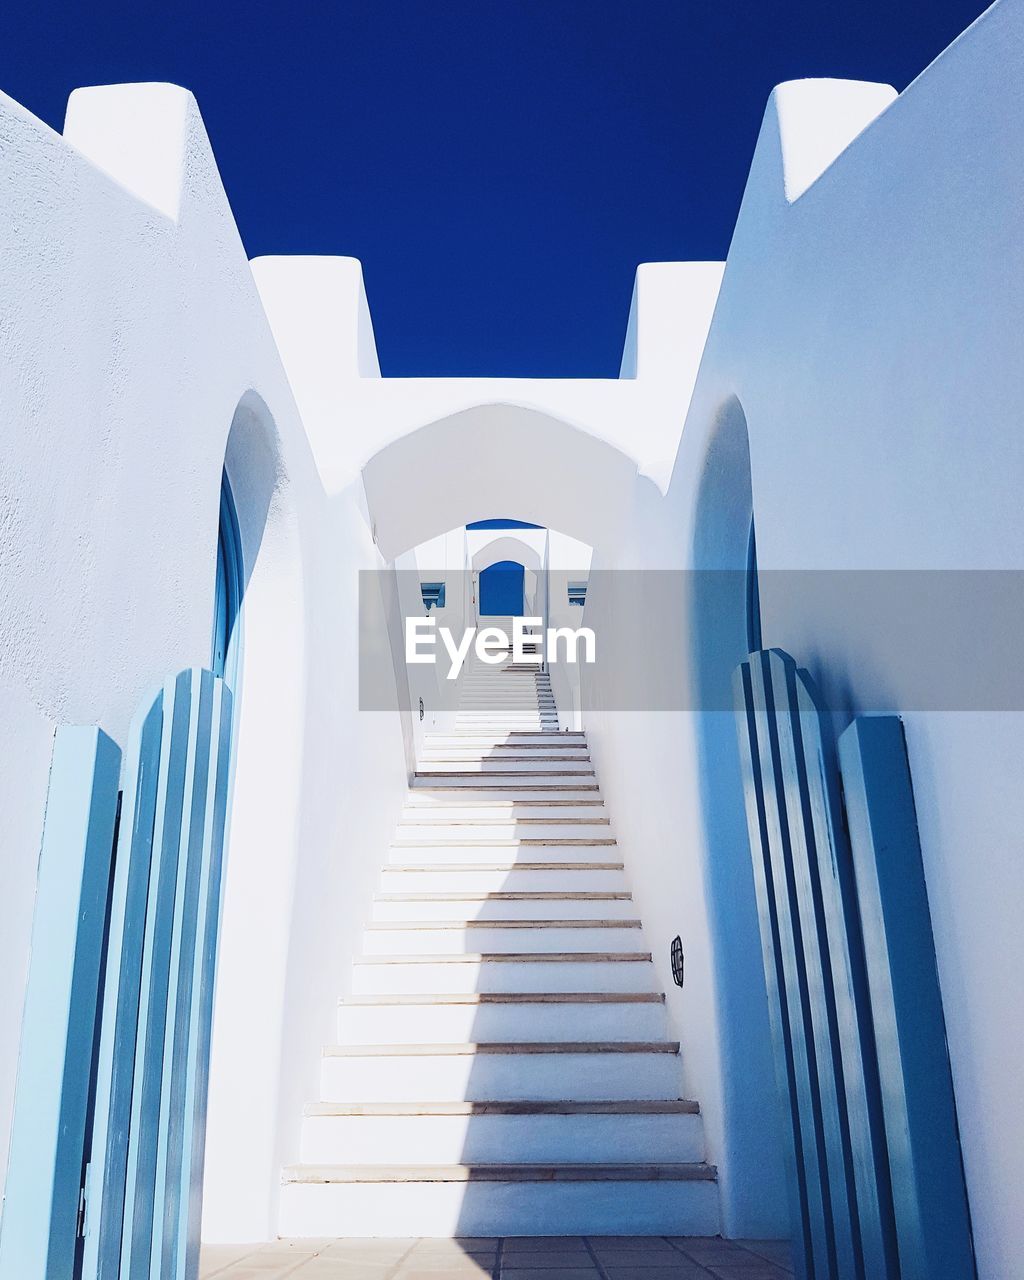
{"x": 507, "y": 547}
{"x": 497, "y": 457}
{"x": 263, "y": 840}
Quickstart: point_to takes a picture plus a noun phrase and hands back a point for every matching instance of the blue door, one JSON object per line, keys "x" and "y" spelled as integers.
{"x": 501, "y": 590}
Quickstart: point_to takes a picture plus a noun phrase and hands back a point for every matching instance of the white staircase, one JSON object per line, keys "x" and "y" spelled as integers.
{"x": 503, "y": 1066}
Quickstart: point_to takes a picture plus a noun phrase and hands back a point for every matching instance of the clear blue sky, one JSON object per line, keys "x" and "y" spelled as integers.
{"x": 499, "y": 166}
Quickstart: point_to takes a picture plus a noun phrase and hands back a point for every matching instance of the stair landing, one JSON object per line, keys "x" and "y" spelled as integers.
{"x": 509, "y": 1258}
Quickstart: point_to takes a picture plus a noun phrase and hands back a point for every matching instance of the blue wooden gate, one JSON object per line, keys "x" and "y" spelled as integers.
{"x": 855, "y": 1006}
{"x": 120, "y": 999}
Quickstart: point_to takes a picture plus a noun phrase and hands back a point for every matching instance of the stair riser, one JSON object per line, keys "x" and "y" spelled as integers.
{"x": 500, "y": 1209}
{"x": 531, "y": 767}
{"x": 504, "y": 1023}
{"x": 506, "y": 750}
{"x": 405, "y": 855}
{"x": 426, "y": 800}
{"x": 502, "y": 724}
{"x": 425, "y": 978}
{"x": 517, "y": 909}
{"x": 521, "y": 819}
{"x": 501, "y": 719}
{"x": 522, "y": 790}
{"x": 488, "y": 693}
{"x": 467, "y": 881}
{"x": 522, "y": 759}
{"x": 507, "y": 742}
{"x": 530, "y": 1077}
{"x": 501, "y": 700}
{"x": 446, "y": 942}
{"x": 467, "y": 832}
{"x": 575, "y": 1139}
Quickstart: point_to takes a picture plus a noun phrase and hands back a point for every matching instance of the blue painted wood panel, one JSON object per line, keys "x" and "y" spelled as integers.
{"x": 930, "y": 1199}
{"x": 771, "y": 950}
{"x": 824, "y": 1039}
{"x": 146, "y": 1176}
{"x": 122, "y": 997}
{"x": 39, "y": 1232}
{"x": 866, "y": 1171}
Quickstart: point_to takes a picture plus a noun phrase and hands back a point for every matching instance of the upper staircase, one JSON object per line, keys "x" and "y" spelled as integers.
{"x": 503, "y": 1066}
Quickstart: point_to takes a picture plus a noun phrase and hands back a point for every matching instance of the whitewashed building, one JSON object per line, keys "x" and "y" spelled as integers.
{"x": 850, "y": 380}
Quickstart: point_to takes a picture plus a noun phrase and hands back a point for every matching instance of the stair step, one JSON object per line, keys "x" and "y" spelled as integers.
{"x": 469, "y": 973}
{"x": 403, "y": 927}
{"x": 526, "y": 818}
{"x": 563, "y": 735}
{"x": 520, "y": 957}
{"x": 495, "y": 908}
{"x": 511, "y": 755}
{"x": 468, "y": 739}
{"x": 431, "y": 1021}
{"x": 512, "y": 1132}
{"x": 463, "y": 1049}
{"x": 520, "y": 693}
{"x": 679, "y": 1172}
{"x": 589, "y": 877}
{"x": 556, "y": 838}
{"x": 593, "y": 1205}
{"x": 425, "y": 938}
{"x": 477, "y": 1073}
{"x": 515, "y": 787}
{"x": 576, "y": 923}
{"x": 497, "y": 834}
{"x": 513, "y": 997}
{"x": 525, "y": 768}
{"x": 492, "y": 852}
{"x": 490, "y": 722}
{"x": 428, "y": 804}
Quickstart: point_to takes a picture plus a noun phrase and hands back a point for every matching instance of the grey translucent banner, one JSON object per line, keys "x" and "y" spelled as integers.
{"x": 885, "y": 641}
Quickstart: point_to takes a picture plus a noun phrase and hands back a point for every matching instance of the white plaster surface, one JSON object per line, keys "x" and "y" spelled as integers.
{"x": 864, "y": 339}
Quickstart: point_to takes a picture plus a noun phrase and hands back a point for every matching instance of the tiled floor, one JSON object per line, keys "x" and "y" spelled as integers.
{"x": 512, "y": 1258}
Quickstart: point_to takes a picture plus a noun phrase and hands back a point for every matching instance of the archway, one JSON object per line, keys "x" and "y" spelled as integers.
{"x": 497, "y": 457}
{"x": 265, "y": 579}
{"x": 526, "y": 551}
{"x": 724, "y": 622}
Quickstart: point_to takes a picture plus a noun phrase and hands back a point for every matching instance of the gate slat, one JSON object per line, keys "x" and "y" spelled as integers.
{"x": 813, "y": 885}
{"x": 931, "y": 1207}
{"x": 170, "y": 1138}
{"x": 771, "y": 948}
{"x": 51, "y": 1109}
{"x": 120, "y": 1009}
{"x": 185, "y": 1263}
{"x": 850, "y": 967}
{"x": 154, "y": 1048}
{"x": 813, "y": 1153}
{"x": 140, "y": 1186}
{"x": 870, "y": 1190}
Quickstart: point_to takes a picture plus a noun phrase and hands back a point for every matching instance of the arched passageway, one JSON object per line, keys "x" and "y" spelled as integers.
{"x": 723, "y": 621}
{"x": 497, "y": 457}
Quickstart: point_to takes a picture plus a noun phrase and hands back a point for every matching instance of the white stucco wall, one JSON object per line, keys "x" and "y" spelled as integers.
{"x": 131, "y": 332}
{"x": 864, "y": 338}
{"x": 866, "y": 330}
